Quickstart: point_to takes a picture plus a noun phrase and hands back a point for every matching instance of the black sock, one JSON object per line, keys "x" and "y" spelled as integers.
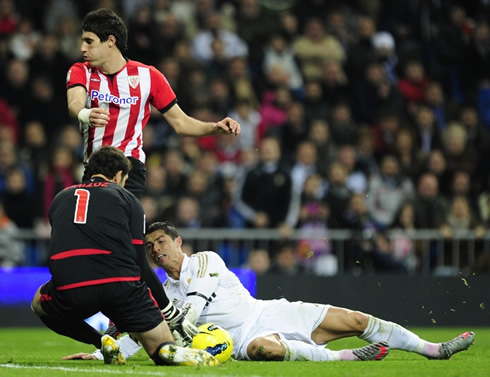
{"x": 156, "y": 356}
{"x": 78, "y": 330}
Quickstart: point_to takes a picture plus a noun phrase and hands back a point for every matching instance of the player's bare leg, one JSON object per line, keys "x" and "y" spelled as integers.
{"x": 339, "y": 323}
{"x": 272, "y": 348}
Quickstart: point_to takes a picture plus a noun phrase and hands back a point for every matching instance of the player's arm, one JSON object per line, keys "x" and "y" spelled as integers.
{"x": 207, "y": 269}
{"x": 185, "y": 125}
{"x": 76, "y": 98}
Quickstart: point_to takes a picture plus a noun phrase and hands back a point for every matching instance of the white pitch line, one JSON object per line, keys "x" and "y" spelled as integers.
{"x": 122, "y": 371}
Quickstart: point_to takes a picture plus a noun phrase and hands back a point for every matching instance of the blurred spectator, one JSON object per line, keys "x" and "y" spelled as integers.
{"x": 385, "y": 51}
{"x": 452, "y": 33}
{"x": 373, "y": 94}
{"x": 220, "y": 97}
{"x": 61, "y": 173}
{"x": 11, "y": 248}
{"x": 285, "y": 260}
{"x": 16, "y": 87}
{"x": 334, "y": 82}
{"x": 315, "y": 47}
{"x": 362, "y": 51}
{"x": 142, "y": 29}
{"x": 254, "y": 25}
{"x": 264, "y": 197}
{"x": 357, "y": 218}
{"x": 293, "y": 131}
{"x": 176, "y": 177}
{"x": 24, "y": 41}
{"x": 460, "y": 217}
{"x": 406, "y": 152}
{"x": 20, "y": 205}
{"x": 233, "y": 45}
{"x": 430, "y": 206}
{"x": 385, "y": 130}
{"x": 9, "y": 160}
{"x": 314, "y": 249}
{"x": 43, "y": 105}
{"x": 338, "y": 194}
{"x": 34, "y": 150}
{"x": 239, "y": 77}
{"x": 343, "y": 127}
{"x": 8, "y": 18}
{"x": 414, "y": 82}
{"x": 365, "y": 152}
{"x": 304, "y": 164}
{"x": 319, "y": 135}
{"x": 258, "y": 260}
{"x": 187, "y": 213}
{"x": 436, "y": 164}
{"x": 461, "y": 185}
{"x": 249, "y": 118}
{"x": 435, "y": 99}
{"x": 49, "y": 62}
{"x": 459, "y": 156}
{"x": 356, "y": 178}
{"x": 279, "y": 55}
{"x": 402, "y": 232}
{"x": 8, "y": 121}
{"x": 209, "y": 199}
{"x": 314, "y": 101}
{"x": 68, "y": 33}
{"x": 428, "y": 134}
{"x": 387, "y": 191}
{"x": 475, "y": 60}
{"x": 274, "y": 109}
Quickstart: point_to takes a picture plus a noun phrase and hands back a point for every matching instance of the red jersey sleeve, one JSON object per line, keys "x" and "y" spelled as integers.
{"x": 77, "y": 75}
{"x": 162, "y": 95}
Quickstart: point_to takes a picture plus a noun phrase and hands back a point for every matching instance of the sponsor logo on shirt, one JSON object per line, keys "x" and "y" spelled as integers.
{"x": 108, "y": 97}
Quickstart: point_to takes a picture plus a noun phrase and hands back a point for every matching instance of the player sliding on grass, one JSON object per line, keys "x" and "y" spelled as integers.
{"x": 98, "y": 263}
{"x": 271, "y": 329}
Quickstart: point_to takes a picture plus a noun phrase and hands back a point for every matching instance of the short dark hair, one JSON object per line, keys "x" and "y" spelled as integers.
{"x": 166, "y": 226}
{"x": 104, "y": 22}
{"x": 108, "y": 160}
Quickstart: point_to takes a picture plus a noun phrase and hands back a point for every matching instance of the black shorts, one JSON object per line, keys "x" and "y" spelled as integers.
{"x": 129, "y": 305}
{"x": 136, "y": 182}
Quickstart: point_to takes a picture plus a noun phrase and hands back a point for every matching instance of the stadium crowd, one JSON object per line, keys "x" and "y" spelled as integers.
{"x": 369, "y": 115}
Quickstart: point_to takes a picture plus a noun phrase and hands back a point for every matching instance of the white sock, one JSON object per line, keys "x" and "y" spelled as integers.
{"x": 398, "y": 337}
{"x": 128, "y": 346}
{"x": 301, "y": 351}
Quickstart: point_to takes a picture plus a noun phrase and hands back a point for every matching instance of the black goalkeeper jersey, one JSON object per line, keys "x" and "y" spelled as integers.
{"x": 94, "y": 226}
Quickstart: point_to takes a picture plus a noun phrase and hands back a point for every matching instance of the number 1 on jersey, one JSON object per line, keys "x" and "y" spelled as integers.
{"x": 81, "y": 208}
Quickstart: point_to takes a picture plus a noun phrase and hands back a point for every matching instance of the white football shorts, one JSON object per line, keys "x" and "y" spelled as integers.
{"x": 290, "y": 320}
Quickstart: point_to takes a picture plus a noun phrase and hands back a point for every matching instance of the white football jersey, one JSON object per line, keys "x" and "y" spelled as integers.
{"x": 204, "y": 278}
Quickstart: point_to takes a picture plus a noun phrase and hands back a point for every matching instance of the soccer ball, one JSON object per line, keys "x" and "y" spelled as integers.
{"x": 215, "y": 340}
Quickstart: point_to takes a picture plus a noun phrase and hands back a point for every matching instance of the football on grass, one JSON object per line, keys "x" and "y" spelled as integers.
{"x": 215, "y": 340}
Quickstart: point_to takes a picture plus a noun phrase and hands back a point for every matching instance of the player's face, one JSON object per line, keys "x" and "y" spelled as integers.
{"x": 94, "y": 51}
{"x": 162, "y": 249}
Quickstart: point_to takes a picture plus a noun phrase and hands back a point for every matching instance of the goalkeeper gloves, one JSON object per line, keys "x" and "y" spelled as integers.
{"x": 181, "y": 323}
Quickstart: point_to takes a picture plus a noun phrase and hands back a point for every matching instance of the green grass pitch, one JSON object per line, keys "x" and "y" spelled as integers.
{"x": 38, "y": 352}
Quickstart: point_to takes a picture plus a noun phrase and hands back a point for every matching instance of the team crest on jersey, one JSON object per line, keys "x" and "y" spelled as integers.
{"x": 68, "y": 75}
{"x": 133, "y": 81}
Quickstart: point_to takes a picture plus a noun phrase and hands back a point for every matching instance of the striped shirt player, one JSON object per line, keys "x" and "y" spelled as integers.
{"x": 112, "y": 96}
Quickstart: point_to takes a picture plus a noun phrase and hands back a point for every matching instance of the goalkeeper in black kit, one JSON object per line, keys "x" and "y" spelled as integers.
{"x": 98, "y": 262}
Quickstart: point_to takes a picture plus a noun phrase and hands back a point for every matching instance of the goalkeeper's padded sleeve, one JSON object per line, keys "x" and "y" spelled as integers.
{"x": 151, "y": 278}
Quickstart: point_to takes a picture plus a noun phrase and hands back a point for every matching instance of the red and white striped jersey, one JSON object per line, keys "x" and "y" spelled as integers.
{"x": 127, "y": 95}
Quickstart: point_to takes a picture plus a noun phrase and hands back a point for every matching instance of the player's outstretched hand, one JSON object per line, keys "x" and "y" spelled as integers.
{"x": 228, "y": 126}
{"x": 81, "y": 356}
